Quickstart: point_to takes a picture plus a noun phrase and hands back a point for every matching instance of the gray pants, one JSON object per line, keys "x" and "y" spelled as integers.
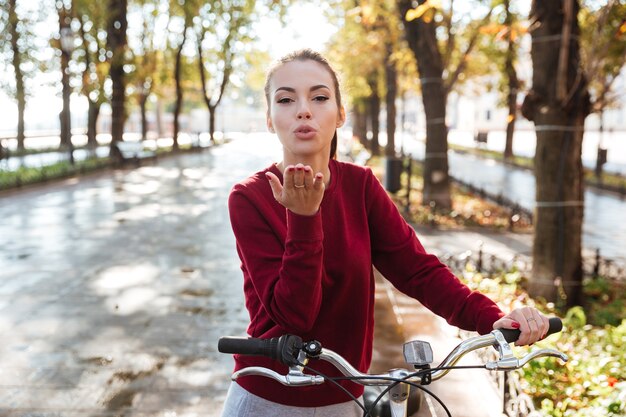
{"x": 241, "y": 403}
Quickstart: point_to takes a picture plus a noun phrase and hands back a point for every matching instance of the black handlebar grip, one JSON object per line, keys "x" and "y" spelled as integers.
{"x": 284, "y": 349}
{"x": 248, "y": 346}
{"x": 511, "y": 335}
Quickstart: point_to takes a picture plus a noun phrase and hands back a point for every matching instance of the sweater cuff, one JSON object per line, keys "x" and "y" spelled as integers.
{"x": 486, "y": 321}
{"x": 301, "y": 227}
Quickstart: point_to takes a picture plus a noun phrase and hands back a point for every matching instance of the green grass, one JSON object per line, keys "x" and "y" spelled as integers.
{"x": 26, "y": 176}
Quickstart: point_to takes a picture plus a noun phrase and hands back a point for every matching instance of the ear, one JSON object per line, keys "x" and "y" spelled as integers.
{"x": 268, "y": 121}
{"x": 342, "y": 116}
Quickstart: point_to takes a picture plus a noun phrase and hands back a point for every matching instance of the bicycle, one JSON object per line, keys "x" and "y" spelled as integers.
{"x": 290, "y": 350}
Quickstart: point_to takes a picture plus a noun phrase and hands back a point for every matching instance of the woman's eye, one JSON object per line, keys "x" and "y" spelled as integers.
{"x": 320, "y": 98}
{"x": 284, "y": 100}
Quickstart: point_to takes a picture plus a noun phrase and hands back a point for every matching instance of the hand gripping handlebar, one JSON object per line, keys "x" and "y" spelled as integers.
{"x": 555, "y": 325}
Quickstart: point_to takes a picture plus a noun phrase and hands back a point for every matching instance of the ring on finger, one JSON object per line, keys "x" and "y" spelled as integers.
{"x": 299, "y": 186}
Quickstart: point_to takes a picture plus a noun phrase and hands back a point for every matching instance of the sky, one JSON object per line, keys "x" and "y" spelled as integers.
{"x": 306, "y": 28}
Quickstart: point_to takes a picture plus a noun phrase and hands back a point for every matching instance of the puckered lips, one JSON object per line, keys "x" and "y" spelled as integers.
{"x": 305, "y": 132}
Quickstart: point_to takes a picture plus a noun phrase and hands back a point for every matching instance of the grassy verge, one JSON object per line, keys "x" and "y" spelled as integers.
{"x": 32, "y": 175}
{"x": 27, "y": 176}
{"x": 468, "y": 211}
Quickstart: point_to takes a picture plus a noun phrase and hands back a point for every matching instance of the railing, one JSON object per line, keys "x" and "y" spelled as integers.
{"x": 594, "y": 265}
{"x": 499, "y": 199}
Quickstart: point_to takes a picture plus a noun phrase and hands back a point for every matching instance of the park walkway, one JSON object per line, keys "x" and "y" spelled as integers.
{"x": 116, "y": 286}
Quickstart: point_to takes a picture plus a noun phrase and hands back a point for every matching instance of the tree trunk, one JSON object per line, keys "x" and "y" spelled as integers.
{"x": 373, "y": 107}
{"x": 422, "y": 39}
{"x": 92, "y": 124}
{"x": 391, "y": 78}
{"x": 513, "y": 83}
{"x": 212, "y": 106}
{"x": 558, "y": 105}
{"x": 600, "y": 158}
{"x": 212, "y": 111}
{"x": 116, "y": 39}
{"x": 143, "y": 99}
{"x": 20, "y": 90}
{"x": 65, "y": 117}
{"x": 359, "y": 126}
{"x": 159, "y": 117}
{"x": 179, "y": 88}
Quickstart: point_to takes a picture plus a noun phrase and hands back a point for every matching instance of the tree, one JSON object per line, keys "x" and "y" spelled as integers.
{"x": 513, "y": 83}
{"x": 116, "y": 45}
{"x": 92, "y": 56}
{"x": 434, "y": 58}
{"x": 66, "y": 40}
{"x": 358, "y": 51}
{"x": 146, "y": 57}
{"x": 221, "y": 30}
{"x": 16, "y": 38}
{"x": 500, "y": 48}
{"x": 181, "y": 20}
{"x": 558, "y": 104}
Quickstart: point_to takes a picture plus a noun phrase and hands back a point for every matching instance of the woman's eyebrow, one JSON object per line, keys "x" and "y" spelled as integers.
{"x": 293, "y": 90}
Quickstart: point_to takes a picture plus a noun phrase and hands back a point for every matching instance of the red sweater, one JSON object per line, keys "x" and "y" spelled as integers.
{"x": 312, "y": 275}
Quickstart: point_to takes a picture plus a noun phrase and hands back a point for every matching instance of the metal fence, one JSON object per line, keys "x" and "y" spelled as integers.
{"x": 594, "y": 265}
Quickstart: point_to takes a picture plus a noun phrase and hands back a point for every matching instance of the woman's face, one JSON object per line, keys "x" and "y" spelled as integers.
{"x": 303, "y": 108}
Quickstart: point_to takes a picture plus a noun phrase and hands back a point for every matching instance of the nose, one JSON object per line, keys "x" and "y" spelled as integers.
{"x": 304, "y": 112}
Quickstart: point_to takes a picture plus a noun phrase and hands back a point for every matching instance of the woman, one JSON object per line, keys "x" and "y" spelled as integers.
{"x": 308, "y": 231}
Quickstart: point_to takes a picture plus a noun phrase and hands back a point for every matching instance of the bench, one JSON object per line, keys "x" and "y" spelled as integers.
{"x": 132, "y": 152}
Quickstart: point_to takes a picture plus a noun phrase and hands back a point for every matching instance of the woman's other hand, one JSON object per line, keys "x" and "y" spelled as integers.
{"x": 301, "y": 191}
{"x": 529, "y": 321}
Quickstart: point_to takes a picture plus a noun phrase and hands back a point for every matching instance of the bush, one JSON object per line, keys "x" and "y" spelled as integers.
{"x": 593, "y": 381}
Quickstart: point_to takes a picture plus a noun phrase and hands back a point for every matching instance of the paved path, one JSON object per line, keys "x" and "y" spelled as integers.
{"x": 115, "y": 287}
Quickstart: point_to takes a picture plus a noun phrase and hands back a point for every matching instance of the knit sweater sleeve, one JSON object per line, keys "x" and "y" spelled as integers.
{"x": 400, "y": 257}
{"x": 281, "y": 254}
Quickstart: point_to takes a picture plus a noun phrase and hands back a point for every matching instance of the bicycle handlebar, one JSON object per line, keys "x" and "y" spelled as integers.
{"x": 291, "y": 351}
{"x": 285, "y": 348}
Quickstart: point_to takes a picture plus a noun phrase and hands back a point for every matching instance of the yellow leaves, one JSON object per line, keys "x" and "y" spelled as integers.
{"x": 622, "y": 28}
{"x": 425, "y": 11}
{"x": 500, "y": 31}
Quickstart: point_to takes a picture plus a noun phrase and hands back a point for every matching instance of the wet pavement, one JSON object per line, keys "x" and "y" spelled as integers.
{"x": 115, "y": 288}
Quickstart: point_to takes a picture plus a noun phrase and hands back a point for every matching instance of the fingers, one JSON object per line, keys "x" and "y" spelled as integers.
{"x": 506, "y": 322}
{"x": 288, "y": 177}
{"x": 532, "y": 324}
{"x": 318, "y": 182}
{"x": 301, "y": 177}
{"x": 277, "y": 188}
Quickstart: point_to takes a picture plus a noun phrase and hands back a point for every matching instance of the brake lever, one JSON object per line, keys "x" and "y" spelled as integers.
{"x": 508, "y": 360}
{"x": 293, "y": 378}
